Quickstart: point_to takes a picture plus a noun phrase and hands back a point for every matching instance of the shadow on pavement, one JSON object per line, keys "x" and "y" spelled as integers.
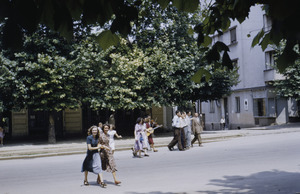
{"x": 263, "y": 182}
{"x": 156, "y": 192}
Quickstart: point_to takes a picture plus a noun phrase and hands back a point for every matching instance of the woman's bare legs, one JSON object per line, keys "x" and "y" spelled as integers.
{"x": 145, "y": 152}
{"x": 100, "y": 180}
{"x": 115, "y": 178}
{"x": 85, "y": 181}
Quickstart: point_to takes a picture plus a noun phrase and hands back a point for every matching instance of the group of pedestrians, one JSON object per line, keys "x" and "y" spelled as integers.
{"x": 101, "y": 145}
{"x": 143, "y": 131}
{"x": 100, "y": 153}
{"x": 184, "y": 125}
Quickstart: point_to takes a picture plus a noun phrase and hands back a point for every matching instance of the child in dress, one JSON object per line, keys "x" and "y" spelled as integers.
{"x": 2, "y": 134}
{"x": 112, "y": 133}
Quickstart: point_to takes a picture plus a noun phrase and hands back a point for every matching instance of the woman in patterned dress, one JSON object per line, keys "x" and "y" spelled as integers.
{"x": 92, "y": 161}
{"x": 107, "y": 158}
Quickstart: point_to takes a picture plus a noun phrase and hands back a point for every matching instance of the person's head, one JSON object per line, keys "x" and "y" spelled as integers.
{"x": 106, "y": 128}
{"x": 93, "y": 130}
{"x": 100, "y": 125}
{"x": 147, "y": 119}
{"x": 178, "y": 113}
{"x": 189, "y": 113}
{"x": 139, "y": 120}
{"x": 196, "y": 114}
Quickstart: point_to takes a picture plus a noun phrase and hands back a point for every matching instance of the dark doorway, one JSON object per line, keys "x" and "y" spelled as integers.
{"x": 38, "y": 123}
{"x": 226, "y": 113}
{"x": 124, "y": 119}
{"x": 59, "y": 128}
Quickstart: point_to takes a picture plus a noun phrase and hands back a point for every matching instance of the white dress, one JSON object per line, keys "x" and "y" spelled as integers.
{"x": 141, "y": 138}
{"x": 111, "y": 134}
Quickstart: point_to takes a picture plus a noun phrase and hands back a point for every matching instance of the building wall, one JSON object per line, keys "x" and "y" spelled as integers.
{"x": 73, "y": 121}
{"x": 20, "y": 123}
{"x": 258, "y": 105}
{"x": 163, "y": 116}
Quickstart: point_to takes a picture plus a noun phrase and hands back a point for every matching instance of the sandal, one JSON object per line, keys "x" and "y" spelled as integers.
{"x": 117, "y": 182}
{"x": 86, "y": 183}
{"x": 102, "y": 184}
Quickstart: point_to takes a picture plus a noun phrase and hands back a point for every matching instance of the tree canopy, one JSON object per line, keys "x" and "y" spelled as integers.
{"x": 23, "y": 16}
{"x": 153, "y": 66}
{"x": 288, "y": 87}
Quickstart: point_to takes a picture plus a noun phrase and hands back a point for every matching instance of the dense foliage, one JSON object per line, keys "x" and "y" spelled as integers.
{"x": 154, "y": 66}
{"x": 23, "y": 17}
{"x": 289, "y": 86}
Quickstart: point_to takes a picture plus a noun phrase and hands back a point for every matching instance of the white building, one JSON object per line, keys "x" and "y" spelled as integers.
{"x": 252, "y": 102}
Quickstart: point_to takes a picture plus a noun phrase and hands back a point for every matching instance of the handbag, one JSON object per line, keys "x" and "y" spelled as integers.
{"x": 141, "y": 138}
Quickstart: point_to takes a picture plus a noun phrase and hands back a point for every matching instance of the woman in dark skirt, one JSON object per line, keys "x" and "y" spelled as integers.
{"x": 92, "y": 161}
{"x": 107, "y": 157}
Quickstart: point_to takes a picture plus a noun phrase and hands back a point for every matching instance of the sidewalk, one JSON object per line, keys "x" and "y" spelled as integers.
{"x": 27, "y": 150}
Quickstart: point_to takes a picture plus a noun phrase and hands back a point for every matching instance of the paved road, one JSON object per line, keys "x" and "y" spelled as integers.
{"x": 253, "y": 164}
{"x": 42, "y": 149}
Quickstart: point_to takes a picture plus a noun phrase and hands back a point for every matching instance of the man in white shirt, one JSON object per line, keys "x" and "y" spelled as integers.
{"x": 222, "y": 123}
{"x": 177, "y": 125}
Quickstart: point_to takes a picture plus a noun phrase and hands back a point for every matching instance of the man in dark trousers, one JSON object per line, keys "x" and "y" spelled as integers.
{"x": 177, "y": 125}
{"x": 197, "y": 128}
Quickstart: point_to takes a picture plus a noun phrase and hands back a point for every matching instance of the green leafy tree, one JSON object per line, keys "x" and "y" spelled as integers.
{"x": 171, "y": 32}
{"x": 112, "y": 78}
{"x": 41, "y": 77}
{"x": 23, "y": 17}
{"x": 289, "y": 86}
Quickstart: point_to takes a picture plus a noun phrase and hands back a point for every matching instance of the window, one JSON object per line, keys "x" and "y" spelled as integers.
{"x": 233, "y": 35}
{"x": 212, "y": 106}
{"x": 259, "y": 107}
{"x": 237, "y": 104}
{"x": 267, "y": 23}
{"x": 269, "y": 59}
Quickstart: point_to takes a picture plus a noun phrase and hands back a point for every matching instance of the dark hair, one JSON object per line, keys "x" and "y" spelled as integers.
{"x": 177, "y": 111}
{"x": 91, "y": 129}
{"x": 139, "y": 120}
{"x": 106, "y": 125}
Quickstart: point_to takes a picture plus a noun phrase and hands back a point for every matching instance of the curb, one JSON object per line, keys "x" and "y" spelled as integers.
{"x": 58, "y": 152}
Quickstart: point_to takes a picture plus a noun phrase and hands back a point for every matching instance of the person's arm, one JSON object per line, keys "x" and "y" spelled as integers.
{"x": 93, "y": 148}
{"x": 135, "y": 132}
{"x": 173, "y": 121}
{"x": 118, "y": 136}
{"x": 103, "y": 147}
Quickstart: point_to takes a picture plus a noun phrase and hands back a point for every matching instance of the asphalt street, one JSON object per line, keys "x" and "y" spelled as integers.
{"x": 268, "y": 163}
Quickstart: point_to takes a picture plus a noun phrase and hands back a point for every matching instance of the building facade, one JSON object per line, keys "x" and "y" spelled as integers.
{"x": 29, "y": 124}
{"x": 253, "y": 101}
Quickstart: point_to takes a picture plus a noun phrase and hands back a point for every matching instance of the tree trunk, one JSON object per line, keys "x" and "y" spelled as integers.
{"x": 51, "y": 131}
